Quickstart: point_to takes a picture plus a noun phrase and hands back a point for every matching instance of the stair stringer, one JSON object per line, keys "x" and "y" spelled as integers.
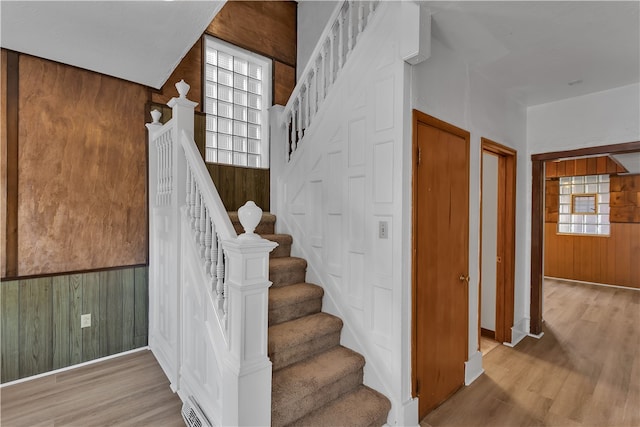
{"x": 347, "y": 174}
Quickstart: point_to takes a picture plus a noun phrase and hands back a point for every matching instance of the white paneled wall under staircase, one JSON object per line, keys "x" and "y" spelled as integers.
{"x": 340, "y": 152}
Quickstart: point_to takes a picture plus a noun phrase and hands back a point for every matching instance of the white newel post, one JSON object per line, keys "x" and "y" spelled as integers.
{"x": 248, "y": 371}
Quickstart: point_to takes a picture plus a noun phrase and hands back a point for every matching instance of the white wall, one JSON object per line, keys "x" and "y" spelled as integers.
{"x": 600, "y": 118}
{"x": 312, "y": 18}
{"x": 444, "y": 87}
{"x": 489, "y": 240}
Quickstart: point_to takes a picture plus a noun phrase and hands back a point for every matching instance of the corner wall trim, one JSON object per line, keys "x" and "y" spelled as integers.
{"x": 473, "y": 368}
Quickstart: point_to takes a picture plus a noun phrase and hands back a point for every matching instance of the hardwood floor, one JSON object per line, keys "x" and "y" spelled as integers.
{"x": 585, "y": 371}
{"x": 130, "y": 390}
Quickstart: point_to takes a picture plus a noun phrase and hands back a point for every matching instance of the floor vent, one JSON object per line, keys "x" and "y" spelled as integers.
{"x": 193, "y": 415}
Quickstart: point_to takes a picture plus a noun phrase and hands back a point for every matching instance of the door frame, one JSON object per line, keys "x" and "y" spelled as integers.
{"x": 420, "y": 117}
{"x": 506, "y": 238}
{"x": 537, "y": 218}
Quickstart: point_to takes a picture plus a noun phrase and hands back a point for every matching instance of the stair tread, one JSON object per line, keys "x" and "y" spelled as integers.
{"x": 293, "y": 294}
{"x": 276, "y": 264}
{"x": 298, "y": 331}
{"x": 266, "y": 216}
{"x": 307, "y": 376}
{"x": 361, "y": 407}
{"x": 277, "y": 237}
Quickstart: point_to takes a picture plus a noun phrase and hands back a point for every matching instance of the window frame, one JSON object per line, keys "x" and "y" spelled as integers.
{"x": 266, "y": 63}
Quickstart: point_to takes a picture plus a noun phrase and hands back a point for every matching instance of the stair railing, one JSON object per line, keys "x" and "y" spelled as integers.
{"x": 348, "y": 20}
{"x": 208, "y": 287}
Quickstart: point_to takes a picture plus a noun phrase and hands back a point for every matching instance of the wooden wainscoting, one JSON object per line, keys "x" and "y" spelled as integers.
{"x": 41, "y": 319}
{"x": 610, "y": 260}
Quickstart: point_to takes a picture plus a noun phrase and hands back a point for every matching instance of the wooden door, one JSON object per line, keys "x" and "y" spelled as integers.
{"x": 441, "y": 259}
{"x": 505, "y": 239}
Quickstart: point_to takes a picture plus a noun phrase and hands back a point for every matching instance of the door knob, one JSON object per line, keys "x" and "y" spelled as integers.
{"x": 464, "y": 278}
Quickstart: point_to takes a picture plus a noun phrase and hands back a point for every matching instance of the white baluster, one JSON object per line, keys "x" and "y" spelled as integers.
{"x": 298, "y": 119}
{"x": 214, "y": 258}
{"x": 220, "y": 274}
{"x": 202, "y": 228}
{"x": 340, "y": 38}
{"x": 196, "y": 215}
{"x": 350, "y": 27}
{"x": 291, "y": 133}
{"x": 188, "y": 183}
{"x": 192, "y": 203}
{"x": 207, "y": 243}
{"x": 360, "y": 17}
{"x": 323, "y": 65}
{"x": 332, "y": 52}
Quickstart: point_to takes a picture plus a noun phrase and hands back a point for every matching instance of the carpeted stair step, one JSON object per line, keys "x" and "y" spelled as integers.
{"x": 295, "y": 340}
{"x": 287, "y": 271}
{"x": 294, "y": 301}
{"x": 362, "y": 407}
{"x": 266, "y": 225}
{"x": 312, "y": 383}
{"x": 284, "y": 242}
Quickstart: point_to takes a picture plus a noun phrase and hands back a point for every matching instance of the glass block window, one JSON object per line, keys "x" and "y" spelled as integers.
{"x": 237, "y": 96}
{"x": 584, "y": 205}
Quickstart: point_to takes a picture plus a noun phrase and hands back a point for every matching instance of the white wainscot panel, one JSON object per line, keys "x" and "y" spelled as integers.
{"x": 356, "y": 213}
{"x": 383, "y": 251}
{"x": 382, "y": 301}
{"x": 357, "y": 136}
{"x": 334, "y": 244}
{"x": 384, "y": 104}
{"x": 314, "y": 216}
{"x": 334, "y": 182}
{"x": 383, "y": 172}
{"x": 356, "y": 279}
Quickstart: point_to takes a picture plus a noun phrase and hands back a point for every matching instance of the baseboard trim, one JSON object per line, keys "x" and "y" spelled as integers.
{"x": 591, "y": 283}
{"x": 473, "y": 368}
{"x": 518, "y": 332}
{"x": 72, "y": 367}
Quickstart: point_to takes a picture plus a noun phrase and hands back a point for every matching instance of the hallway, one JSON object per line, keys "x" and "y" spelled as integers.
{"x": 585, "y": 371}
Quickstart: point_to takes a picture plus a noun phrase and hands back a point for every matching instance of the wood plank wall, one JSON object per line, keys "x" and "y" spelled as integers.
{"x": 612, "y": 260}
{"x": 41, "y": 319}
{"x": 81, "y": 170}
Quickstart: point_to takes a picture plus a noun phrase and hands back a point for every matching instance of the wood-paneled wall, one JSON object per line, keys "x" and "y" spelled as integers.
{"x": 265, "y": 27}
{"x": 41, "y": 319}
{"x": 81, "y": 170}
{"x": 625, "y": 198}
{"x": 585, "y": 166}
{"x": 612, "y": 260}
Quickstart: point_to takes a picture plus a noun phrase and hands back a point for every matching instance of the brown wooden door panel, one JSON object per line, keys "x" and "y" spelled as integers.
{"x": 441, "y": 202}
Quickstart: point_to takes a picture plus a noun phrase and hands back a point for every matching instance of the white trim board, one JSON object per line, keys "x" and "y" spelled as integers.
{"x": 72, "y": 367}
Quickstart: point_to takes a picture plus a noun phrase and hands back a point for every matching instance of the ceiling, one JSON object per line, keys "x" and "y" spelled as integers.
{"x": 139, "y": 41}
{"x": 544, "y": 51}
{"x": 531, "y": 49}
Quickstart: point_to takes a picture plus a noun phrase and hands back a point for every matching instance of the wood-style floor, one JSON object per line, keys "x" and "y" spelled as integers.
{"x": 131, "y": 390}
{"x": 585, "y": 371}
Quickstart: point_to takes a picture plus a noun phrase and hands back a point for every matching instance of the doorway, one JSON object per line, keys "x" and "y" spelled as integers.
{"x": 497, "y": 256}
{"x": 537, "y": 217}
{"x": 440, "y": 259}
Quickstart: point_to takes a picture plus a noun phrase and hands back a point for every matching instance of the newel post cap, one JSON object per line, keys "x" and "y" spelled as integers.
{"x": 249, "y": 215}
{"x": 183, "y": 88}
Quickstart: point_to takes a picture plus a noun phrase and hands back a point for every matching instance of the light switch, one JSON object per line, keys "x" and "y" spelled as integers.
{"x": 383, "y": 229}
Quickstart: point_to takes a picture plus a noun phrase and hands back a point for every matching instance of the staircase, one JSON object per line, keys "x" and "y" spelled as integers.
{"x": 316, "y": 381}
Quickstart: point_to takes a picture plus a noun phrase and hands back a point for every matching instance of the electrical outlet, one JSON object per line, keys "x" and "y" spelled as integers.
{"x": 85, "y": 320}
{"x": 383, "y": 229}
